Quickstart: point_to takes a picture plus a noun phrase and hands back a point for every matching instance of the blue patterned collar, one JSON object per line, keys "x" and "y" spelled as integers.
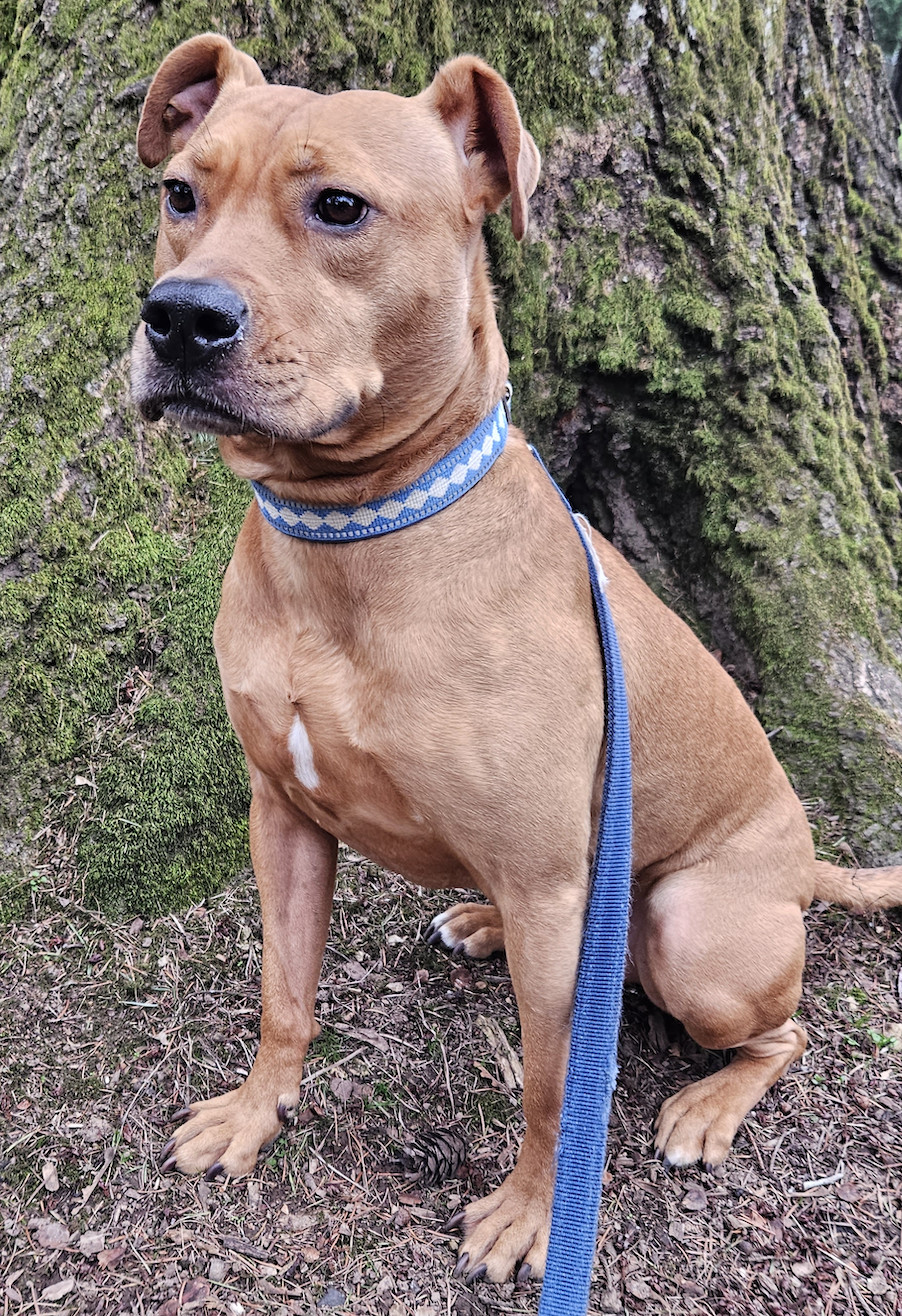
{"x": 441, "y": 485}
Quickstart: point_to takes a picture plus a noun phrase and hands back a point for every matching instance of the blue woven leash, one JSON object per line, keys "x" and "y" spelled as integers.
{"x": 592, "y": 1067}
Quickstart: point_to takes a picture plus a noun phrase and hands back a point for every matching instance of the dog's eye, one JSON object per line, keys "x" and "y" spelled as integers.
{"x": 342, "y": 208}
{"x": 180, "y": 198}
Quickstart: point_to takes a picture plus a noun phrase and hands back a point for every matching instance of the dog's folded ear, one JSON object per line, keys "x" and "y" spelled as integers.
{"x": 479, "y": 111}
{"x": 184, "y": 90}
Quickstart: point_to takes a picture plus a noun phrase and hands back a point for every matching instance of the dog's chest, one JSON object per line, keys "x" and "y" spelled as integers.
{"x": 345, "y": 726}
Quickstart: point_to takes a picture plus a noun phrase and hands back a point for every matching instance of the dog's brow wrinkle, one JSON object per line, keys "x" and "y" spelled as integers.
{"x": 304, "y": 164}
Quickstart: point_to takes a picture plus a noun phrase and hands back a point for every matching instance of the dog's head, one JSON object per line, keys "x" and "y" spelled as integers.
{"x": 319, "y": 264}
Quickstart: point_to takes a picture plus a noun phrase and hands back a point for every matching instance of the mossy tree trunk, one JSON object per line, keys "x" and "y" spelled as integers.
{"x": 705, "y": 329}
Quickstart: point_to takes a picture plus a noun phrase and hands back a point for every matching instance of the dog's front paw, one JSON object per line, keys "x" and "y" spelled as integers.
{"x": 225, "y": 1135}
{"x": 505, "y": 1233}
{"x": 474, "y": 930}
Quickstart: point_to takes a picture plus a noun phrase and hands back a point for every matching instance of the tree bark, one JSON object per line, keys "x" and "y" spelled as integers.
{"x": 706, "y": 338}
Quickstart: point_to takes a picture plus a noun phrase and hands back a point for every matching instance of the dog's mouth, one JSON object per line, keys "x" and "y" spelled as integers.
{"x": 194, "y": 412}
{"x": 193, "y": 409}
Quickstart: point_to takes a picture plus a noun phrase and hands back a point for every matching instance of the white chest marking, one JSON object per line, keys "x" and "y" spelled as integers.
{"x": 302, "y": 755}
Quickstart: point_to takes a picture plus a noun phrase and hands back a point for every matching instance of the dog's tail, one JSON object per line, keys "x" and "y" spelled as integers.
{"x": 863, "y": 890}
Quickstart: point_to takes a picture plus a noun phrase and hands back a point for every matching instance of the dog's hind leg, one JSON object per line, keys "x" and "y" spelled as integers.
{"x": 724, "y": 957}
{"x": 699, "y": 1122}
{"x": 474, "y": 930}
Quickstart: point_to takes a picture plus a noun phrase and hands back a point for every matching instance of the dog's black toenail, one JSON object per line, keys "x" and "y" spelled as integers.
{"x": 461, "y": 1265}
{"x": 164, "y": 1154}
{"x": 455, "y": 1222}
{"x": 168, "y": 1165}
{"x": 214, "y": 1172}
{"x": 523, "y": 1273}
{"x": 478, "y": 1274}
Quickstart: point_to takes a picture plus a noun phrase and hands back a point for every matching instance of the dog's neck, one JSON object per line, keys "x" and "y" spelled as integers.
{"x": 442, "y": 484}
{"x": 393, "y": 438}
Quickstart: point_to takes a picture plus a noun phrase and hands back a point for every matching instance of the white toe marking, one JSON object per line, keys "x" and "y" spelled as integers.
{"x": 302, "y": 755}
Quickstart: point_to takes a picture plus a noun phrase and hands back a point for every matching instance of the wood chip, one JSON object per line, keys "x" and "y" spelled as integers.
{"x": 638, "y": 1288}
{"x": 509, "y": 1064}
{"x": 53, "y": 1234}
{"x": 91, "y": 1244}
{"x": 245, "y": 1248}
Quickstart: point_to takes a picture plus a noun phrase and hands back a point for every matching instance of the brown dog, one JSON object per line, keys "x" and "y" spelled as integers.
{"x": 433, "y": 696}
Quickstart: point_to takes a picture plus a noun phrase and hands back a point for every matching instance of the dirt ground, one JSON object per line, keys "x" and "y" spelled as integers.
{"x": 107, "y": 1029}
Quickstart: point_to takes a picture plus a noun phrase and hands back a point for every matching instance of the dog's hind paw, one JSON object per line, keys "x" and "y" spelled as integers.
{"x": 469, "y": 929}
{"x": 694, "y": 1126}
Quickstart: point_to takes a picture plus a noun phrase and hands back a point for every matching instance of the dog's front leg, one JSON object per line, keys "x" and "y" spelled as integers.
{"x": 509, "y": 1229}
{"x": 294, "y": 862}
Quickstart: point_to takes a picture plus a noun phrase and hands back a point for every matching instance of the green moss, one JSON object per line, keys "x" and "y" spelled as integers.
{"x": 742, "y": 383}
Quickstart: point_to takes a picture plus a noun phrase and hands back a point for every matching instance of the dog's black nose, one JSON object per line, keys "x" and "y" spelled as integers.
{"x": 190, "y": 321}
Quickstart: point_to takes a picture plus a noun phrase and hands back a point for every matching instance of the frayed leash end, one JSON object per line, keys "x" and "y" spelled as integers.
{"x": 585, "y": 531}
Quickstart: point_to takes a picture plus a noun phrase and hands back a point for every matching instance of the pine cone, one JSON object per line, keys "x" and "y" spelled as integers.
{"x": 433, "y": 1156}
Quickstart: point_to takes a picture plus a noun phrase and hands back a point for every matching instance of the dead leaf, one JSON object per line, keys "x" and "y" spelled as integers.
{"x": 343, "y": 1088}
{"x": 461, "y": 978}
{"x": 696, "y": 1199}
{"x": 346, "y": 1090}
{"x": 109, "y": 1259}
{"x": 54, "y": 1292}
{"x": 878, "y": 1285}
{"x": 91, "y": 1244}
{"x": 10, "y": 1289}
{"x": 97, "y": 1129}
{"x": 298, "y": 1223}
{"x": 849, "y": 1192}
{"x": 194, "y": 1294}
{"x": 49, "y": 1176}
